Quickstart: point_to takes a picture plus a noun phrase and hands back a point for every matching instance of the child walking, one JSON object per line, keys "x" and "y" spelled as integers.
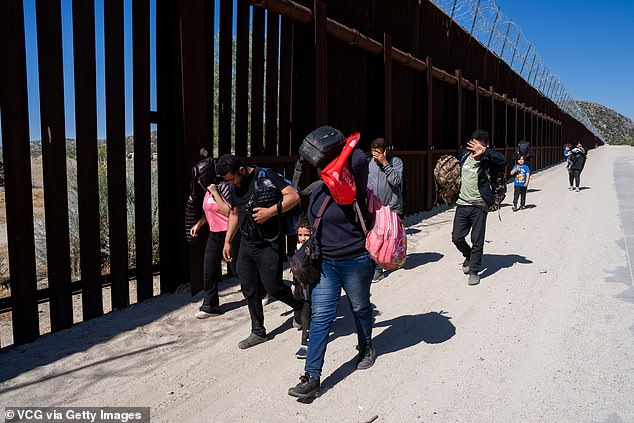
{"x": 522, "y": 175}
{"x": 303, "y": 292}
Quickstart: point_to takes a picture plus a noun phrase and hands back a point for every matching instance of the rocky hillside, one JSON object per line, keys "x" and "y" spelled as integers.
{"x": 613, "y": 126}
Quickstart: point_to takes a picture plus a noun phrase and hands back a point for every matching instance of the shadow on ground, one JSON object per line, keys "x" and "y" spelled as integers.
{"x": 401, "y": 333}
{"x": 82, "y": 336}
{"x": 418, "y": 259}
{"x": 496, "y": 262}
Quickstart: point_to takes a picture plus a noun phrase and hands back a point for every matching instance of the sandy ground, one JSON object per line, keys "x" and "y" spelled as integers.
{"x": 548, "y": 335}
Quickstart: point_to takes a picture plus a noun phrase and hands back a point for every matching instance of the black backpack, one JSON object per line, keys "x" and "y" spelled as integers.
{"x": 523, "y": 149}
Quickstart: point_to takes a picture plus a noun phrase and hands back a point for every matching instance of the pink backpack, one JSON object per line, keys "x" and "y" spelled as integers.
{"x": 387, "y": 241}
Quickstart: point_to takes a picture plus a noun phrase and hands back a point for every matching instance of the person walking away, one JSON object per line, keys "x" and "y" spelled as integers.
{"x": 257, "y": 257}
{"x": 303, "y": 292}
{"x": 475, "y": 197}
{"x": 345, "y": 264}
{"x": 578, "y": 161}
{"x": 385, "y": 178}
{"x": 521, "y": 175}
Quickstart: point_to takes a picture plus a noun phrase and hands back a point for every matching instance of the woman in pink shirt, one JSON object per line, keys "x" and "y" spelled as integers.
{"x": 216, "y": 215}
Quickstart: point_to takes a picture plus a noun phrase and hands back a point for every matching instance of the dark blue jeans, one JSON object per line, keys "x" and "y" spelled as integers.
{"x": 470, "y": 218}
{"x": 355, "y": 277}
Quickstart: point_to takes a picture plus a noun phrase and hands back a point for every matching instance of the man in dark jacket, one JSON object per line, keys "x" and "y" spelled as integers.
{"x": 475, "y": 198}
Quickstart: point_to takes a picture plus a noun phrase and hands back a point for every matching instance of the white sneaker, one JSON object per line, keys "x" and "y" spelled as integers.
{"x": 265, "y": 300}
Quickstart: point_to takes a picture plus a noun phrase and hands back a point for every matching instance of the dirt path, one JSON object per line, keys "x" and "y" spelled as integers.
{"x": 548, "y": 335}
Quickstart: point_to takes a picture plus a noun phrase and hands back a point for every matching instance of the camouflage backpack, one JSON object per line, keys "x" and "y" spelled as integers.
{"x": 447, "y": 178}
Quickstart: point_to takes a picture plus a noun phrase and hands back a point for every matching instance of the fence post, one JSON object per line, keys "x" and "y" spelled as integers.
{"x": 53, "y": 134}
{"x": 321, "y": 64}
{"x": 460, "y": 114}
{"x": 492, "y": 91}
{"x": 17, "y": 172}
{"x": 387, "y": 59}
{"x": 430, "y": 132}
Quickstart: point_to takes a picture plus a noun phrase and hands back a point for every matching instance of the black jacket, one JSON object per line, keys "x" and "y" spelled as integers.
{"x": 578, "y": 158}
{"x": 491, "y": 163}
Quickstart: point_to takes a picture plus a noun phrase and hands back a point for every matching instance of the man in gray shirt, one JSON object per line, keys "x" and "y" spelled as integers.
{"x": 385, "y": 178}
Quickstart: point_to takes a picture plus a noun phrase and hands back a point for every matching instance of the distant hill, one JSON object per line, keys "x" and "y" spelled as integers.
{"x": 613, "y": 126}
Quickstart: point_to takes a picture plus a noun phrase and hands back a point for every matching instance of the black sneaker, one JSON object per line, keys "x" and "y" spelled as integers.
{"x": 378, "y": 275}
{"x": 307, "y": 387}
{"x": 366, "y": 357}
{"x": 297, "y": 319}
{"x": 465, "y": 266}
{"x": 251, "y": 341}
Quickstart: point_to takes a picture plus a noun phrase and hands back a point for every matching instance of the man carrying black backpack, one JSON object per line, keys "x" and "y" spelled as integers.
{"x": 258, "y": 257}
{"x": 475, "y": 197}
{"x": 523, "y": 149}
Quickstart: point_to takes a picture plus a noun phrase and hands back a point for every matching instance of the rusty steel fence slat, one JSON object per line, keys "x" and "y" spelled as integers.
{"x": 115, "y": 160}
{"x": 170, "y": 142}
{"x": 87, "y": 165}
{"x": 142, "y": 171}
{"x": 286, "y": 87}
{"x": 53, "y": 135}
{"x": 242, "y": 79}
{"x": 17, "y": 172}
{"x": 257, "y": 82}
{"x": 271, "y": 84}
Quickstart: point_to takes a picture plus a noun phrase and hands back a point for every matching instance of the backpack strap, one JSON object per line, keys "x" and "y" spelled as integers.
{"x": 358, "y": 210}
{"x": 322, "y": 208}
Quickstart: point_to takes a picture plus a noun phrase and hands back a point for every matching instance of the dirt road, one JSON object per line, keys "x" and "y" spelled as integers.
{"x": 548, "y": 335}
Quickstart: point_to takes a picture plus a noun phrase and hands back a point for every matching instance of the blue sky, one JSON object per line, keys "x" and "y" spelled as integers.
{"x": 589, "y": 44}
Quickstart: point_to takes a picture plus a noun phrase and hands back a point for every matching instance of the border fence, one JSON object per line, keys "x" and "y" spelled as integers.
{"x": 401, "y": 71}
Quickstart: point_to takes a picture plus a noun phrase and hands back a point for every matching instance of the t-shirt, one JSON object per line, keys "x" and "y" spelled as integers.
{"x": 216, "y": 220}
{"x": 521, "y": 177}
{"x": 240, "y": 196}
{"x": 469, "y": 191}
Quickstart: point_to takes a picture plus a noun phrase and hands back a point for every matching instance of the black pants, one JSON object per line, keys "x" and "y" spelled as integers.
{"x": 212, "y": 271}
{"x": 574, "y": 175}
{"x": 470, "y": 218}
{"x": 264, "y": 261}
{"x": 517, "y": 192}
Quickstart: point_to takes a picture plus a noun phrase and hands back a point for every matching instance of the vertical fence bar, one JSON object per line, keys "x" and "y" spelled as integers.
{"x": 242, "y": 79}
{"x": 321, "y": 64}
{"x": 115, "y": 134}
{"x": 225, "y": 45}
{"x": 210, "y": 64}
{"x": 17, "y": 172}
{"x": 170, "y": 144}
{"x": 387, "y": 60}
{"x": 286, "y": 86}
{"x": 87, "y": 165}
{"x": 257, "y": 82}
{"x": 460, "y": 108}
{"x": 141, "y": 106}
{"x": 477, "y": 96}
{"x": 194, "y": 99}
{"x": 493, "y": 131}
{"x": 52, "y": 123}
{"x": 506, "y": 122}
{"x": 430, "y": 132}
{"x": 271, "y": 88}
